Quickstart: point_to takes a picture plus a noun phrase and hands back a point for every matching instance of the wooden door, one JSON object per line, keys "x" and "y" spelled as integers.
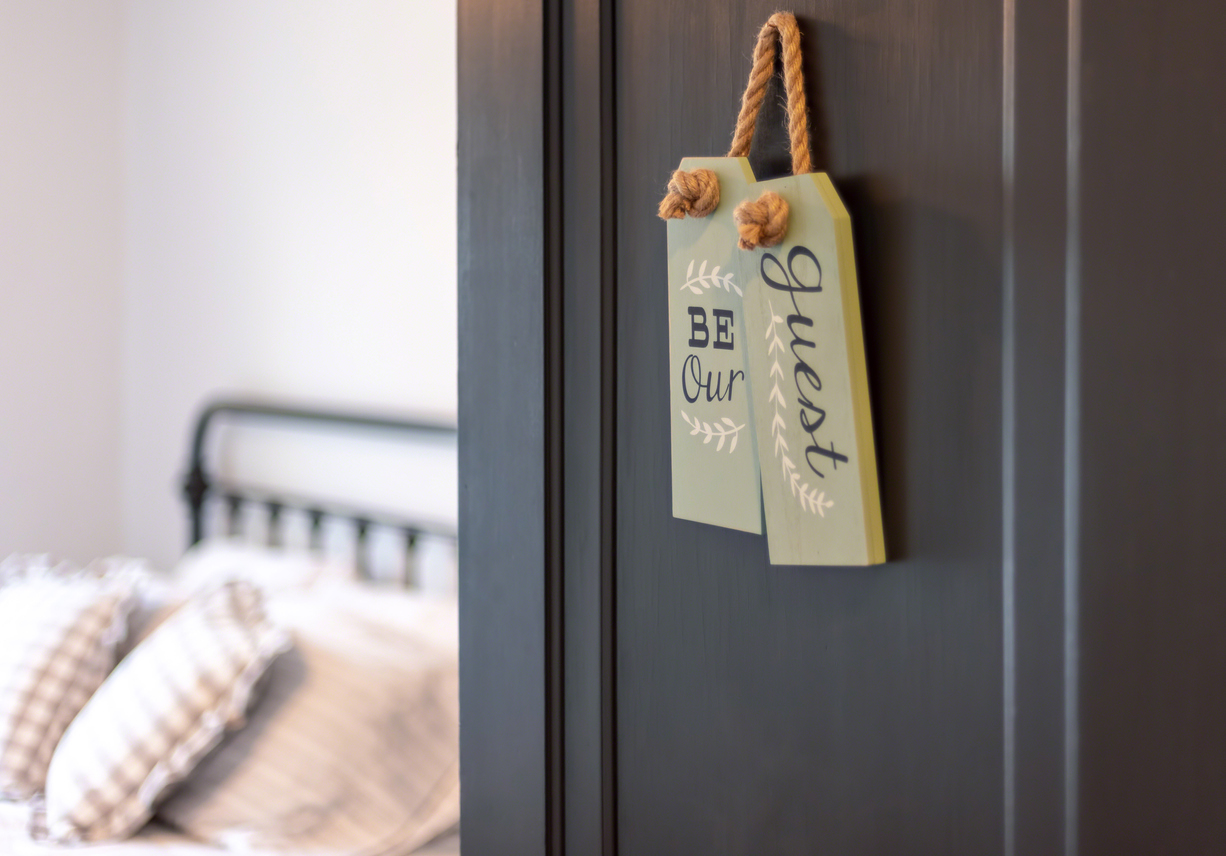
{"x": 841, "y": 710}
{"x": 1040, "y": 667}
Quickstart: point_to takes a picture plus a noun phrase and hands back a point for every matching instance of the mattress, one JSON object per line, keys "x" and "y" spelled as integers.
{"x": 153, "y": 839}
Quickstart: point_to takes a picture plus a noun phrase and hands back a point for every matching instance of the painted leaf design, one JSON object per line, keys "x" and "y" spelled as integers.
{"x": 720, "y": 444}
{"x": 690, "y": 270}
{"x": 729, "y": 422}
{"x": 702, "y": 270}
{"x": 732, "y": 445}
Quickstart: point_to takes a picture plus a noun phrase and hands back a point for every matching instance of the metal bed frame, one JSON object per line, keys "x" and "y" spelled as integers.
{"x": 200, "y": 485}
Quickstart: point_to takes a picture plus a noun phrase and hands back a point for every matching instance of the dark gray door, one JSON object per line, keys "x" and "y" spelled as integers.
{"x": 793, "y": 710}
{"x": 1039, "y": 206}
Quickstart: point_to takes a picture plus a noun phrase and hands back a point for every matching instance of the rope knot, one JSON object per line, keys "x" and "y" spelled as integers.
{"x": 761, "y": 223}
{"x": 694, "y": 193}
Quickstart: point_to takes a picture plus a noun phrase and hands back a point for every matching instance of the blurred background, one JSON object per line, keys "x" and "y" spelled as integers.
{"x": 252, "y": 198}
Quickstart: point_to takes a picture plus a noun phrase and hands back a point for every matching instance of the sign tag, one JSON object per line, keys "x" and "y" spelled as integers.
{"x": 769, "y": 408}
{"x": 714, "y": 455}
{"x": 810, "y": 385}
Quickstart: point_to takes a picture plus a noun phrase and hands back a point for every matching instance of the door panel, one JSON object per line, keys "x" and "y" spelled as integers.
{"x": 1040, "y": 667}
{"x": 775, "y": 709}
{"x": 1151, "y": 122}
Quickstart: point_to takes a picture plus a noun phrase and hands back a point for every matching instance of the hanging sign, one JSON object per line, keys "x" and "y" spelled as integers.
{"x": 766, "y": 345}
{"x": 715, "y": 459}
{"x": 811, "y": 404}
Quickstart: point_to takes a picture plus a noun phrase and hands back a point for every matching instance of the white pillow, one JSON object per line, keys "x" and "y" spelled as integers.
{"x": 354, "y": 746}
{"x": 59, "y": 628}
{"x": 164, "y": 706}
{"x": 273, "y": 569}
{"x": 214, "y": 560}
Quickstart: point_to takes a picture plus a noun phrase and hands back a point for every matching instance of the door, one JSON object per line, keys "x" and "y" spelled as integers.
{"x": 795, "y": 710}
{"x": 1040, "y": 667}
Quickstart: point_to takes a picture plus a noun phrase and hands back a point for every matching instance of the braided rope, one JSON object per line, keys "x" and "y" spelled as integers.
{"x": 690, "y": 193}
{"x": 783, "y": 26}
{"x": 696, "y": 194}
{"x": 762, "y": 222}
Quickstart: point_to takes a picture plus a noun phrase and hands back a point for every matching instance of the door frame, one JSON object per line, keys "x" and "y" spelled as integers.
{"x": 536, "y": 445}
{"x": 508, "y": 429}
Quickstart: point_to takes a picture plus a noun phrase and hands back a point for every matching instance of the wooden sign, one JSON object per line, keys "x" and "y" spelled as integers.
{"x": 765, "y": 343}
{"x": 714, "y": 456}
{"x": 810, "y": 386}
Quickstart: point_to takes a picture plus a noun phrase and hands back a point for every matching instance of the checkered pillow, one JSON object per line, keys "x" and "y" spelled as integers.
{"x": 162, "y": 709}
{"x": 59, "y": 628}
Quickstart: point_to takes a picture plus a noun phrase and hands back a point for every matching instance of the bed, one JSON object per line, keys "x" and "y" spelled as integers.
{"x": 269, "y": 698}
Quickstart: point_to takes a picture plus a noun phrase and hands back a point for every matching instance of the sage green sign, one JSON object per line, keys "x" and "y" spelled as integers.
{"x": 715, "y": 457}
{"x": 810, "y": 386}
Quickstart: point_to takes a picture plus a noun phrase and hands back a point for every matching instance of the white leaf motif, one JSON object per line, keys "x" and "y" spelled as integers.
{"x": 725, "y": 431}
{"x": 808, "y": 497}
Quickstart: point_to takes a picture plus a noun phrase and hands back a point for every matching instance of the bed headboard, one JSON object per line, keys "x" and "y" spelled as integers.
{"x": 201, "y": 486}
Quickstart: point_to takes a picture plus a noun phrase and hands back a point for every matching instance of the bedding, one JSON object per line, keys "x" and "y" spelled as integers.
{"x": 273, "y": 570}
{"x": 59, "y": 629}
{"x": 354, "y": 746}
{"x": 155, "y": 839}
{"x": 350, "y": 747}
{"x": 166, "y": 705}
{"x": 276, "y": 570}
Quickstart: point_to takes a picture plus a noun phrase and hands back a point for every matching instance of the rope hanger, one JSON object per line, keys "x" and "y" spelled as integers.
{"x": 782, "y": 25}
{"x": 761, "y": 222}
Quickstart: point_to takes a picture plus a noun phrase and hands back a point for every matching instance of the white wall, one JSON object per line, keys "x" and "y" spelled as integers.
{"x": 289, "y": 212}
{"x": 60, "y": 258}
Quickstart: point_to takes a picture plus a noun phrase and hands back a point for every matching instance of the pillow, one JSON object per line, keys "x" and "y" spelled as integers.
{"x": 273, "y": 569}
{"x": 354, "y": 746}
{"x": 165, "y": 705}
{"x": 214, "y": 560}
{"x": 59, "y": 627}
{"x": 157, "y": 597}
